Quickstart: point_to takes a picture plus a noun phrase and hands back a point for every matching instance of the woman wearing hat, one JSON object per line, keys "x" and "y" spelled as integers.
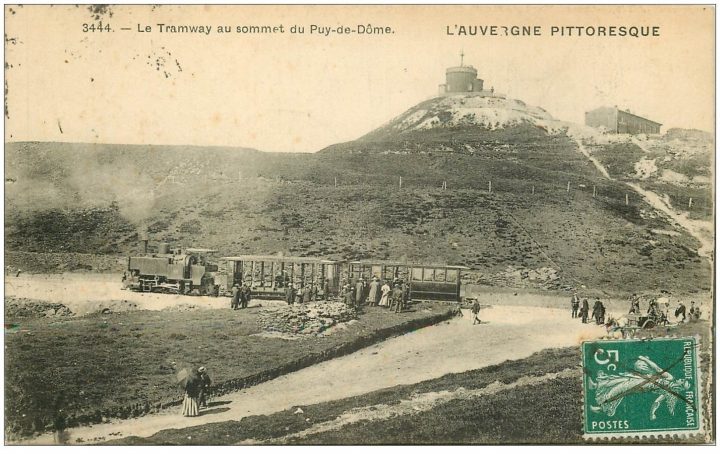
{"x": 374, "y": 293}
{"x": 385, "y": 298}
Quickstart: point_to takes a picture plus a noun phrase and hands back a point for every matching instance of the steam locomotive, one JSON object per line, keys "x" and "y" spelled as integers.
{"x": 189, "y": 272}
{"x": 196, "y": 271}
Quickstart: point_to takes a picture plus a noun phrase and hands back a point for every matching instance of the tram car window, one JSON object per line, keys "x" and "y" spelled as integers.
{"x": 438, "y": 283}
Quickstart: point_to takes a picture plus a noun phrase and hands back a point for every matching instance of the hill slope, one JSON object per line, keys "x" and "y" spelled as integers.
{"x": 244, "y": 201}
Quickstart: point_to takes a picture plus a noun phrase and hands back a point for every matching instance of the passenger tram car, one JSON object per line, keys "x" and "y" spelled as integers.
{"x": 426, "y": 282}
{"x": 268, "y": 276}
{"x": 197, "y": 271}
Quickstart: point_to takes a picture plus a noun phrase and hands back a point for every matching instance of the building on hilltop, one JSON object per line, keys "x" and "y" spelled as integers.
{"x": 463, "y": 79}
{"x": 620, "y": 121}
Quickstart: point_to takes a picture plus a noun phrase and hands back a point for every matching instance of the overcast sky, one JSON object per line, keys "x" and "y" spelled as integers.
{"x": 291, "y": 92}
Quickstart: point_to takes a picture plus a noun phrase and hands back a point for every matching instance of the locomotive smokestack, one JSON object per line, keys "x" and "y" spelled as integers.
{"x": 144, "y": 238}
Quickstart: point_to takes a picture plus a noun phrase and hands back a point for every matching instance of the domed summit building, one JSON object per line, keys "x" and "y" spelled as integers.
{"x": 463, "y": 79}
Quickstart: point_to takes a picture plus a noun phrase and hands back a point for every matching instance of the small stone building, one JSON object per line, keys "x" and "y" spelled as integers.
{"x": 620, "y": 121}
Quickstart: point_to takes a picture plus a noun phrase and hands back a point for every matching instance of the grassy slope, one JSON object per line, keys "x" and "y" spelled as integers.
{"x": 289, "y": 203}
{"x": 550, "y": 412}
{"x": 131, "y": 362}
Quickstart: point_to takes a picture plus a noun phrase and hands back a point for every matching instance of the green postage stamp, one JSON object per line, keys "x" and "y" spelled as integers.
{"x": 641, "y": 387}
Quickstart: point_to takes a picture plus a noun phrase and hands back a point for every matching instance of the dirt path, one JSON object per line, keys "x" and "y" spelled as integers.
{"x": 703, "y": 231}
{"x": 85, "y": 292}
{"x": 455, "y": 346}
{"x": 595, "y": 162}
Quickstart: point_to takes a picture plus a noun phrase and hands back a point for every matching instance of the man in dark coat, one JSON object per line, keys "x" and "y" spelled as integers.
{"x": 205, "y": 383}
{"x": 245, "y": 295}
{"x": 680, "y": 311}
{"x": 585, "y": 310}
{"x": 397, "y": 297}
{"x": 289, "y": 294}
{"x": 634, "y": 304}
{"x": 598, "y": 312}
{"x": 307, "y": 293}
{"x": 360, "y": 292}
{"x": 326, "y": 290}
{"x": 235, "y": 299}
{"x": 476, "y": 311}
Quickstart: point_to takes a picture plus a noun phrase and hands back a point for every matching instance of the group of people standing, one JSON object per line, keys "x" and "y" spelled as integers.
{"x": 395, "y": 296}
{"x": 693, "y": 315}
{"x": 300, "y": 294}
{"x": 662, "y": 314}
{"x": 582, "y": 309}
{"x": 654, "y": 312}
{"x": 241, "y": 296}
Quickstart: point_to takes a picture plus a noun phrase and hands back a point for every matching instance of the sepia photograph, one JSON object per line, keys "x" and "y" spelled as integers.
{"x": 359, "y": 225}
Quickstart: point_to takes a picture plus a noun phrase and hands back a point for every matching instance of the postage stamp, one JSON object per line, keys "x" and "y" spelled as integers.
{"x": 641, "y": 387}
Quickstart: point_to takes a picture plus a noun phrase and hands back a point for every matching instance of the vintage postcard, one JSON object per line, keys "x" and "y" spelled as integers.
{"x": 359, "y": 225}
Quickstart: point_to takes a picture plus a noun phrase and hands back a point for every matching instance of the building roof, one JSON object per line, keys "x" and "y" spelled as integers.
{"x": 615, "y": 108}
{"x": 461, "y": 69}
{"x": 638, "y": 116}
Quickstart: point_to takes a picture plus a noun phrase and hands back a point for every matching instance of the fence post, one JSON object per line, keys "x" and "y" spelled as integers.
{"x": 594, "y": 191}
{"x": 690, "y": 203}
{"x": 627, "y": 200}
{"x": 568, "y": 187}
{"x": 400, "y": 182}
{"x": 533, "y": 190}
{"x": 490, "y": 186}
{"x": 336, "y": 182}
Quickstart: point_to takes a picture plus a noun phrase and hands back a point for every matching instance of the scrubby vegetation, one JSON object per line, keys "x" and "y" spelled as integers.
{"x": 130, "y": 369}
{"x": 241, "y": 201}
{"x": 549, "y": 411}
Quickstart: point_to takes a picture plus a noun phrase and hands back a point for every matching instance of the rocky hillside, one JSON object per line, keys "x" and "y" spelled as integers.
{"x": 677, "y": 164}
{"x": 506, "y": 168}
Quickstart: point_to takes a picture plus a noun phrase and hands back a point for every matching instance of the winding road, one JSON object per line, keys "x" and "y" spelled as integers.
{"x": 508, "y": 332}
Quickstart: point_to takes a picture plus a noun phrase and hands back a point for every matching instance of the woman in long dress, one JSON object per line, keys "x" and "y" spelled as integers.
{"x": 384, "y": 299}
{"x": 193, "y": 383}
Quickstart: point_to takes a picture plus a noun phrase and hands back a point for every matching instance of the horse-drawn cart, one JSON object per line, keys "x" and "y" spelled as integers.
{"x": 648, "y": 321}
{"x": 630, "y": 323}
